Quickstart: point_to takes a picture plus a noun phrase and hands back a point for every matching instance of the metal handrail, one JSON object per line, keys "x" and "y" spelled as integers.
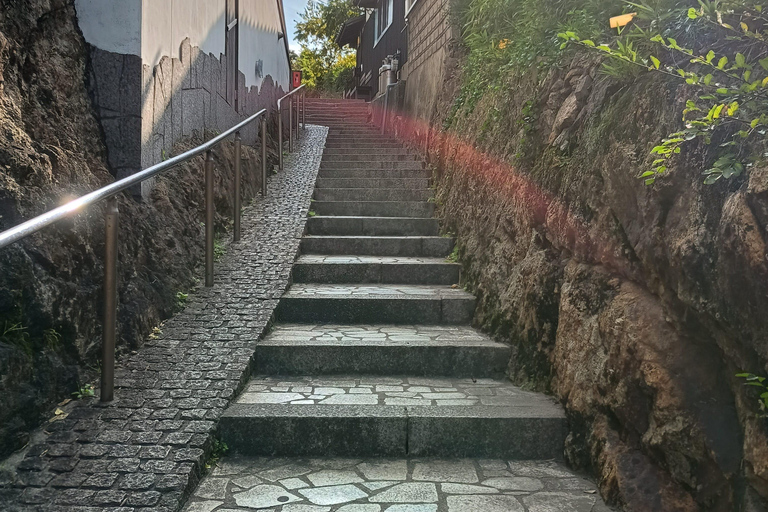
{"x": 301, "y": 102}
{"x": 111, "y": 217}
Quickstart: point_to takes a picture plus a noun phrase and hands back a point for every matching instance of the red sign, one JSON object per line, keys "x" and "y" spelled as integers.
{"x": 296, "y": 81}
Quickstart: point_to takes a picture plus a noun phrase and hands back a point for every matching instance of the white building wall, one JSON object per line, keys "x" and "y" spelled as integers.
{"x": 165, "y": 24}
{"x": 259, "y": 28}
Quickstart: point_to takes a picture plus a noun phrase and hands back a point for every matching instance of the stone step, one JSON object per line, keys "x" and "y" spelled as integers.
{"x": 382, "y": 303}
{"x": 383, "y": 181}
{"x": 332, "y": 349}
{"x": 344, "y": 144}
{"x": 410, "y": 246}
{"x": 372, "y": 226}
{"x": 318, "y": 268}
{"x": 368, "y": 156}
{"x": 372, "y": 164}
{"x": 394, "y": 485}
{"x": 359, "y": 416}
{"x": 374, "y": 173}
{"x": 370, "y": 151}
{"x": 374, "y": 208}
{"x": 371, "y": 194}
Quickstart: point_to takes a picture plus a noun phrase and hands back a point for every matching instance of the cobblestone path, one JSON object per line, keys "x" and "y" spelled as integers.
{"x": 373, "y": 393}
{"x": 145, "y": 450}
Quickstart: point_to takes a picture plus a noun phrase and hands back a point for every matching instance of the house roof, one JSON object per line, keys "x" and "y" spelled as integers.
{"x": 350, "y": 30}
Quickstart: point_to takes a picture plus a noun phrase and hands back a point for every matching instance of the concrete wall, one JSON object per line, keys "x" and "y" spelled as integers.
{"x": 112, "y": 26}
{"x": 158, "y": 72}
{"x": 429, "y": 34}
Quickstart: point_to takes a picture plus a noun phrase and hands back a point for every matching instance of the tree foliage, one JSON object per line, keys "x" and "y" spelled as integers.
{"x": 325, "y": 66}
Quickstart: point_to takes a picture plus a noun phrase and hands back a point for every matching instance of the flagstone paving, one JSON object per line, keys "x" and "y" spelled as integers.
{"x": 393, "y": 485}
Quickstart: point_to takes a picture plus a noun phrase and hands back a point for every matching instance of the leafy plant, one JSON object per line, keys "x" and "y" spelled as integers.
{"x": 218, "y": 449}
{"x": 219, "y": 249}
{"x": 730, "y": 79}
{"x": 454, "y": 256}
{"x": 51, "y": 338}
{"x": 84, "y": 391}
{"x": 181, "y": 300}
{"x": 311, "y": 213}
{"x": 758, "y": 382}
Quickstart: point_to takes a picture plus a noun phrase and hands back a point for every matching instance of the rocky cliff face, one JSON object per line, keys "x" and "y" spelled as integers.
{"x": 51, "y": 149}
{"x": 634, "y": 305}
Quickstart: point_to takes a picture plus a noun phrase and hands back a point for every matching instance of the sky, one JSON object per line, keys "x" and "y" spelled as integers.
{"x": 293, "y": 9}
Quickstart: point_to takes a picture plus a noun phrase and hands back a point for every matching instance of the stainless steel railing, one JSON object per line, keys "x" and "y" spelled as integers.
{"x": 301, "y": 107}
{"x": 112, "y": 218}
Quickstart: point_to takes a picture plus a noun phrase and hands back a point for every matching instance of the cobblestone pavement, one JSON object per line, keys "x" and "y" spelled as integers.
{"x": 145, "y": 450}
{"x": 406, "y": 391}
{"x": 416, "y": 485}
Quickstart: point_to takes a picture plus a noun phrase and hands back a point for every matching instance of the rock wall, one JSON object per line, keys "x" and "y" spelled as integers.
{"x": 634, "y": 305}
{"x": 51, "y": 149}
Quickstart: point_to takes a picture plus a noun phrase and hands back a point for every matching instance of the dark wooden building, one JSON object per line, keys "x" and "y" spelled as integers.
{"x": 379, "y": 33}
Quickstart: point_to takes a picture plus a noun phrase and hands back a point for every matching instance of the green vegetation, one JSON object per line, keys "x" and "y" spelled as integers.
{"x": 718, "y": 49}
{"x": 218, "y": 449}
{"x": 454, "y": 256}
{"x": 722, "y": 57}
{"x": 758, "y": 382}
{"x": 181, "y": 301}
{"x": 219, "y": 249}
{"x": 84, "y": 391}
{"x": 326, "y": 68}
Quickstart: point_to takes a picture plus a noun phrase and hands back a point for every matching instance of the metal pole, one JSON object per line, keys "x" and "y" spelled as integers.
{"x": 236, "y": 227}
{"x": 298, "y": 116}
{"x": 303, "y": 110}
{"x": 290, "y": 125}
{"x": 264, "y": 156}
{"x": 280, "y": 139}
{"x": 209, "y": 218}
{"x": 111, "y": 221}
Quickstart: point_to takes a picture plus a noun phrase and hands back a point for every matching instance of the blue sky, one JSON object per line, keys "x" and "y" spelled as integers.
{"x": 293, "y": 8}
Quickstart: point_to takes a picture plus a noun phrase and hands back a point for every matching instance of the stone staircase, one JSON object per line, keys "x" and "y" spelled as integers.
{"x": 373, "y": 357}
{"x": 373, "y": 353}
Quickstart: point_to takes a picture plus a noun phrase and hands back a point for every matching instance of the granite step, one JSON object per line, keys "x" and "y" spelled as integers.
{"x": 372, "y": 164}
{"x": 374, "y": 174}
{"x": 415, "y": 350}
{"x": 375, "y": 303}
{"x": 383, "y": 181}
{"x": 372, "y": 226}
{"x": 371, "y": 194}
{"x": 318, "y": 268}
{"x": 367, "y": 156}
{"x": 369, "y": 416}
{"x": 374, "y": 208}
{"x": 417, "y": 246}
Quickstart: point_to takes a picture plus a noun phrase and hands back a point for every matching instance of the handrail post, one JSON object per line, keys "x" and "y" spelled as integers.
{"x": 237, "y": 206}
{"x": 304, "y": 110}
{"x": 298, "y": 116}
{"x": 280, "y": 139}
{"x": 264, "y": 156}
{"x": 111, "y": 225}
{"x": 290, "y": 124}
{"x": 209, "y": 218}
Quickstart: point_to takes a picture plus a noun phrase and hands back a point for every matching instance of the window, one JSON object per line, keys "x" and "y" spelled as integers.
{"x": 409, "y": 5}
{"x": 383, "y": 18}
{"x": 231, "y": 50}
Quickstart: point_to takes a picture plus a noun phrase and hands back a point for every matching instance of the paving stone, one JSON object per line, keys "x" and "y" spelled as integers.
{"x": 212, "y": 488}
{"x": 333, "y": 495}
{"x": 446, "y": 471}
{"x": 263, "y": 496}
{"x": 497, "y": 503}
{"x": 555, "y": 502}
{"x": 515, "y": 484}
{"x": 407, "y": 493}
